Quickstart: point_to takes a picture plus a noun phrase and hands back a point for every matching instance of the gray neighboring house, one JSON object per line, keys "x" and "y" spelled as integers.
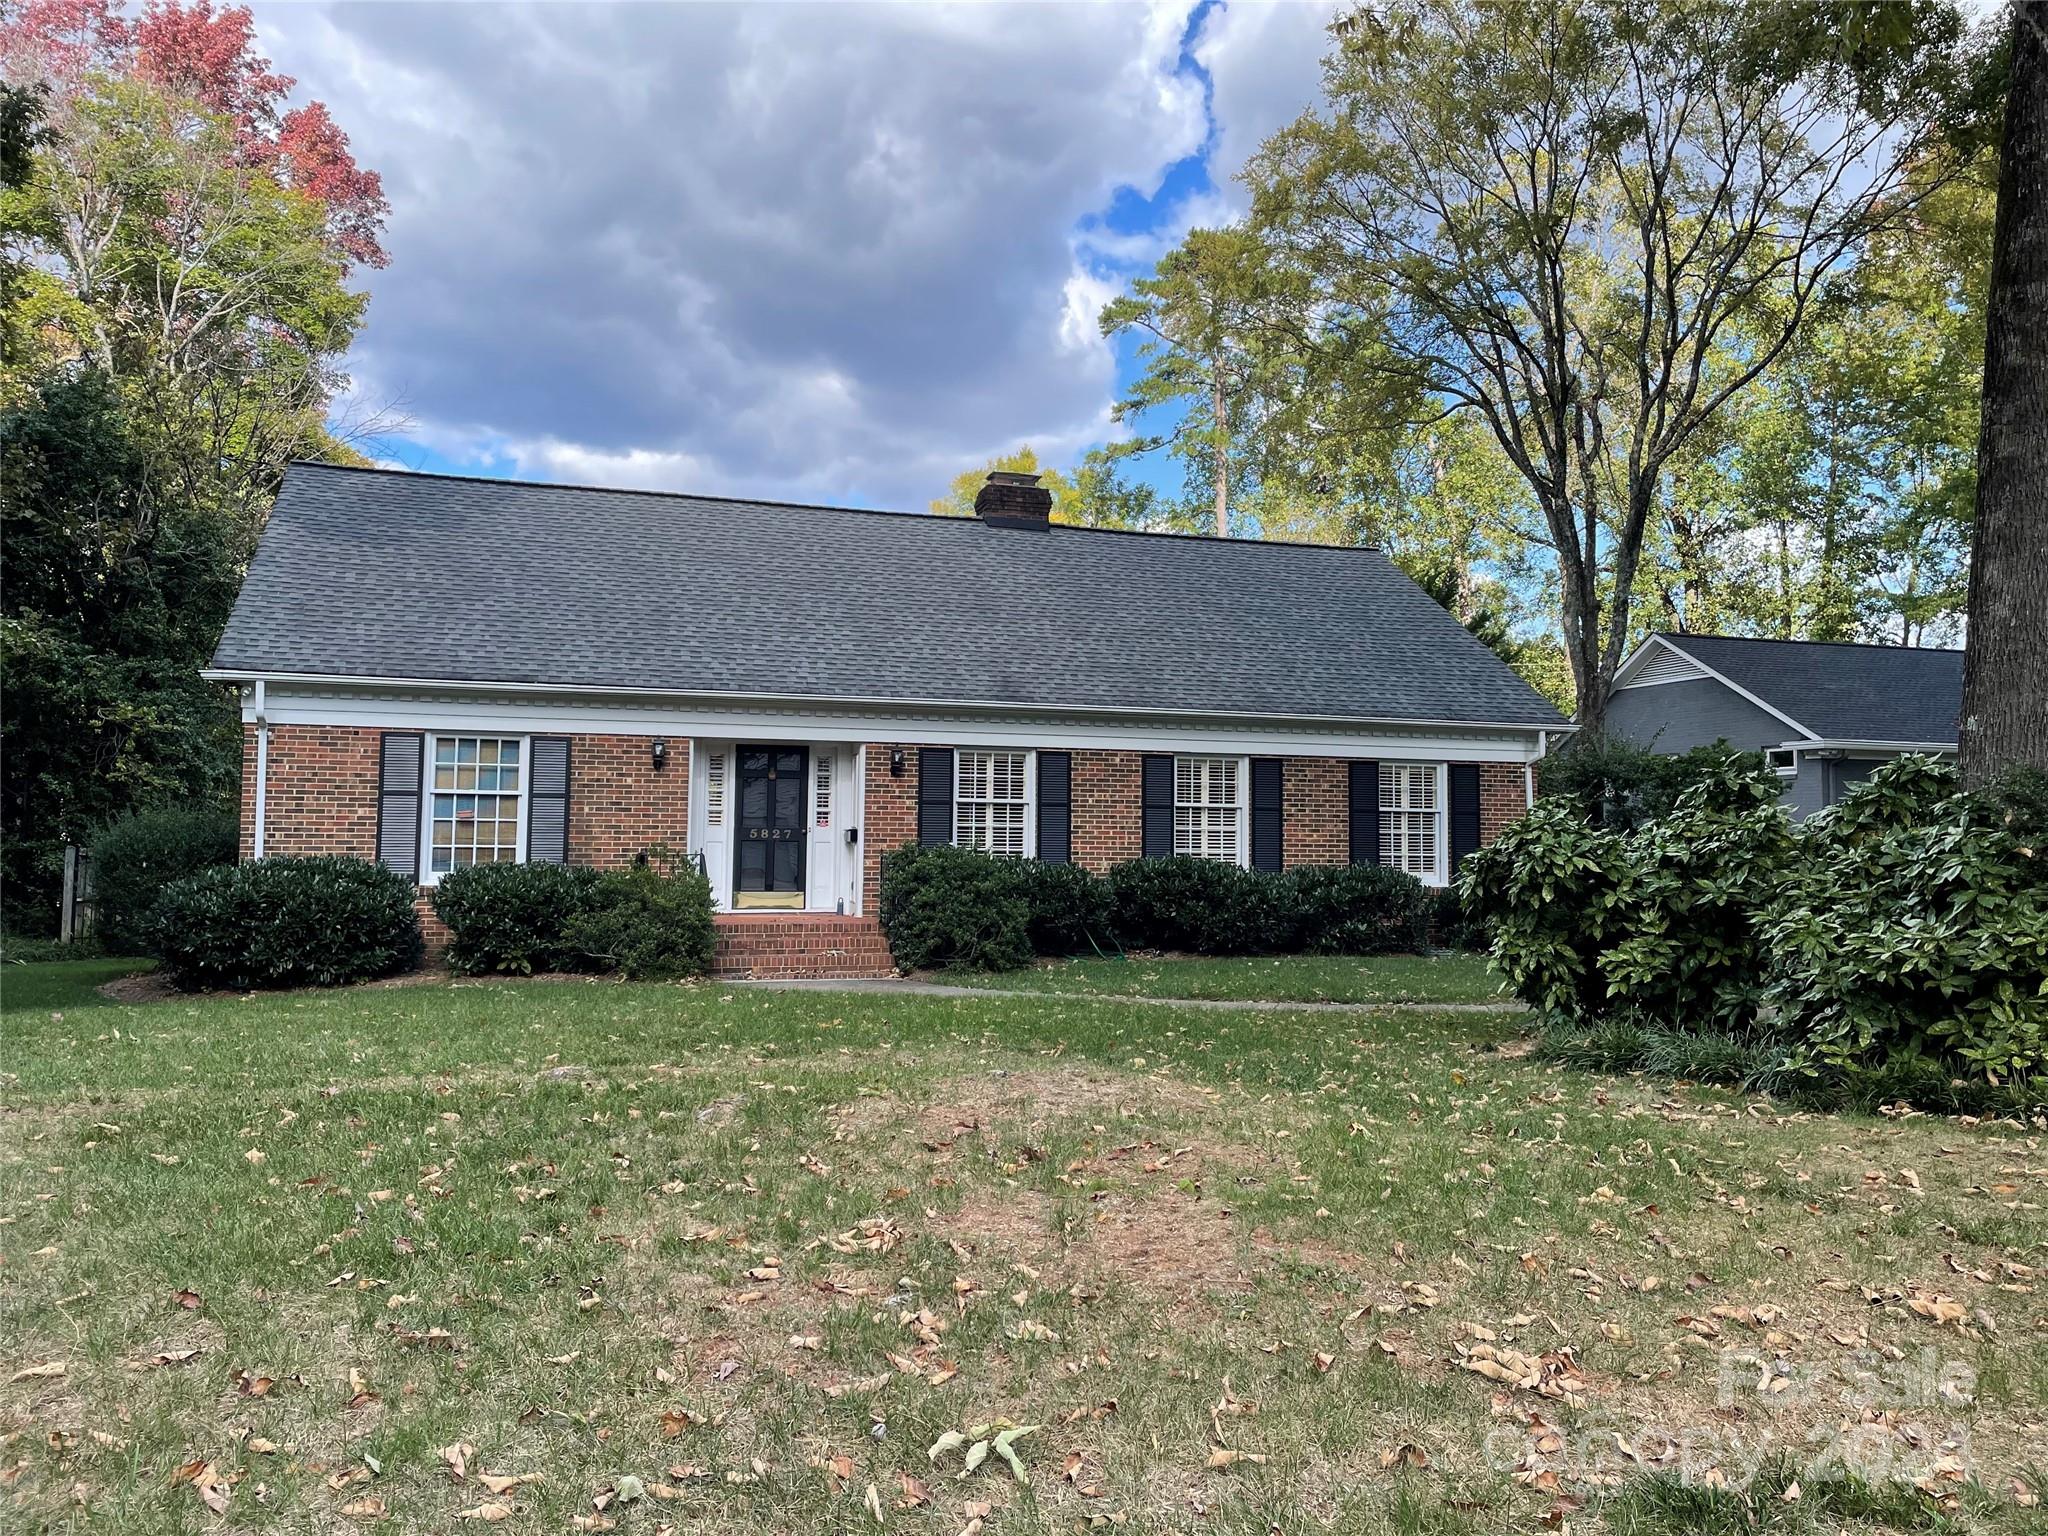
{"x": 1826, "y": 714}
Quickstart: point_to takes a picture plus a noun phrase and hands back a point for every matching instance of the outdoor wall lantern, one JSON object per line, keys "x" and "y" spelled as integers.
{"x": 660, "y": 751}
{"x": 895, "y": 762}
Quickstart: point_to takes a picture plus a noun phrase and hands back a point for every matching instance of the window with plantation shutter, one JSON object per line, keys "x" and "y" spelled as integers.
{"x": 714, "y": 789}
{"x": 992, "y": 802}
{"x": 821, "y": 790}
{"x": 1207, "y": 807}
{"x": 1411, "y": 819}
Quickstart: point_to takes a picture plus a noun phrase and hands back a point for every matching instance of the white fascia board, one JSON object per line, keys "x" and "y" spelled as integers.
{"x": 528, "y": 710}
{"x": 1897, "y": 748}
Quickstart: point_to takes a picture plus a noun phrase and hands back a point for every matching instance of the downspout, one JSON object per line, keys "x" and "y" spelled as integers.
{"x": 1529, "y": 770}
{"x": 262, "y": 764}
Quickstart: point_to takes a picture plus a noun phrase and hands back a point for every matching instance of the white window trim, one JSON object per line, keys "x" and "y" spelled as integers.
{"x": 429, "y": 876}
{"x": 1244, "y": 803}
{"x": 1030, "y": 796}
{"x": 1440, "y": 874}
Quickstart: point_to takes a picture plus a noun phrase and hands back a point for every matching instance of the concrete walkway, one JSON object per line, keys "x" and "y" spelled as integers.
{"x": 910, "y": 988}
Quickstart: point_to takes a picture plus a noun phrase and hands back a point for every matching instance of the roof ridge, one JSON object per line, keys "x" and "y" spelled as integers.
{"x": 806, "y": 506}
{"x": 1679, "y": 637}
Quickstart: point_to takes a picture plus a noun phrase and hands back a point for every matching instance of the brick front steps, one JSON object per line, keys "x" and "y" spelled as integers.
{"x": 763, "y": 946}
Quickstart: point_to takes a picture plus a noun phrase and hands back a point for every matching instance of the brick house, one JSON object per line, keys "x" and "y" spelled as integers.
{"x": 436, "y": 671}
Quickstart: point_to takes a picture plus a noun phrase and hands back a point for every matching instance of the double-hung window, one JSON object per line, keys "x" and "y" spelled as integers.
{"x": 1208, "y": 808}
{"x": 1411, "y": 819}
{"x": 475, "y": 802}
{"x": 992, "y": 802}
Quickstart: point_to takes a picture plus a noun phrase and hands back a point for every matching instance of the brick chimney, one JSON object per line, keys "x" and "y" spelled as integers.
{"x": 1013, "y": 500}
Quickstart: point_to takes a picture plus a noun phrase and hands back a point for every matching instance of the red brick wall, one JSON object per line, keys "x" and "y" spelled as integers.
{"x": 322, "y": 795}
{"x": 1316, "y": 792}
{"x": 1503, "y": 798}
{"x": 619, "y": 804}
{"x": 1108, "y": 791}
{"x": 888, "y": 816}
{"x": 323, "y": 799}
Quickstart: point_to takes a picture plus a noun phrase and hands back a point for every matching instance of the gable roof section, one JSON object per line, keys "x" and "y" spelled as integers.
{"x": 1841, "y": 692}
{"x": 386, "y": 574}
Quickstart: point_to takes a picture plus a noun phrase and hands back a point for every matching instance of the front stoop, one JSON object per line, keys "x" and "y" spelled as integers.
{"x": 778, "y": 946}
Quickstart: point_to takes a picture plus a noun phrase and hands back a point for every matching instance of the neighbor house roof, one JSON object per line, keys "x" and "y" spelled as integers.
{"x": 385, "y": 574}
{"x": 1842, "y": 692}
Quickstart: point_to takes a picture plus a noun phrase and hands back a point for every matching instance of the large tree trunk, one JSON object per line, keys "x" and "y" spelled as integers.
{"x": 2005, "y": 668}
{"x": 1221, "y": 451}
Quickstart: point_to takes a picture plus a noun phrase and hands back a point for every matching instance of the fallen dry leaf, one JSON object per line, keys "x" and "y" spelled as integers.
{"x": 490, "y": 1513}
{"x": 49, "y": 1370}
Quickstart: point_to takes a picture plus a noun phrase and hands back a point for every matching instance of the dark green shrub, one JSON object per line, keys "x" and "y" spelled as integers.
{"x": 513, "y": 917}
{"x": 1915, "y": 926}
{"x": 1173, "y": 904}
{"x": 953, "y": 907}
{"x": 652, "y": 922}
{"x": 286, "y": 922}
{"x": 1546, "y": 890}
{"x": 1359, "y": 909}
{"x": 1451, "y": 928}
{"x": 133, "y": 859}
{"x": 1068, "y": 909}
{"x": 1686, "y": 952}
{"x": 1619, "y": 786}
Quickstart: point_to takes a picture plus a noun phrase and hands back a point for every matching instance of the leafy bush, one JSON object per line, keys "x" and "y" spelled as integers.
{"x": 650, "y": 922}
{"x": 1546, "y": 889}
{"x": 1619, "y": 786}
{"x": 286, "y": 922}
{"x": 133, "y": 859}
{"x": 513, "y": 917}
{"x": 1359, "y": 909}
{"x": 1068, "y": 909}
{"x": 1916, "y": 927}
{"x": 1686, "y": 953}
{"x": 953, "y": 907}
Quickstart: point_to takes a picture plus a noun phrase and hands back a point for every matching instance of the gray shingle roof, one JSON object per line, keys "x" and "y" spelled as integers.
{"x": 372, "y": 573}
{"x": 1841, "y": 692}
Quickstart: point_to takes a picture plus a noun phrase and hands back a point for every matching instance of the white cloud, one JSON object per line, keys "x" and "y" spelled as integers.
{"x": 1265, "y": 70}
{"x": 819, "y": 251}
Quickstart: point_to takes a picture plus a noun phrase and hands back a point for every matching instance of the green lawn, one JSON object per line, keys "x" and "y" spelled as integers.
{"x": 745, "y": 1254}
{"x": 1451, "y": 976}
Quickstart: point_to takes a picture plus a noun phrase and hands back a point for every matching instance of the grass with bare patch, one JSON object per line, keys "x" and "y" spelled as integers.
{"x": 745, "y": 1254}
{"x": 1448, "y": 976}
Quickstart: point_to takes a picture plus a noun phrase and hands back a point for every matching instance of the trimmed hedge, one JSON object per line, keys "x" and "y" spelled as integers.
{"x": 286, "y": 922}
{"x": 952, "y": 907}
{"x": 1067, "y": 909}
{"x": 651, "y": 922}
{"x": 136, "y": 858}
{"x": 1359, "y": 909}
{"x": 512, "y": 918}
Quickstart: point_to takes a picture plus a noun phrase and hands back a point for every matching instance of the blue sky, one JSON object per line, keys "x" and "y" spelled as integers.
{"x": 830, "y": 253}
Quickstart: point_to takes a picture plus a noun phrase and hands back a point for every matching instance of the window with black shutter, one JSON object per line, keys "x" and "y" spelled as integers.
{"x": 935, "y": 795}
{"x": 401, "y": 758}
{"x": 547, "y": 815}
{"x": 1156, "y": 806}
{"x": 1268, "y": 814}
{"x": 1055, "y": 807}
{"x": 1464, "y": 812}
{"x": 1365, "y": 813}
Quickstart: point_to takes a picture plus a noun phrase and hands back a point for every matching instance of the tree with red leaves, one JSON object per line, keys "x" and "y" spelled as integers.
{"x": 178, "y": 240}
{"x": 208, "y": 59}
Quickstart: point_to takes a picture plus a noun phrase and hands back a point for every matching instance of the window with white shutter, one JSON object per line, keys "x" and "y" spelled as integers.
{"x": 992, "y": 801}
{"x": 1208, "y": 805}
{"x": 714, "y": 789}
{"x": 821, "y": 789}
{"x": 1411, "y": 819}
